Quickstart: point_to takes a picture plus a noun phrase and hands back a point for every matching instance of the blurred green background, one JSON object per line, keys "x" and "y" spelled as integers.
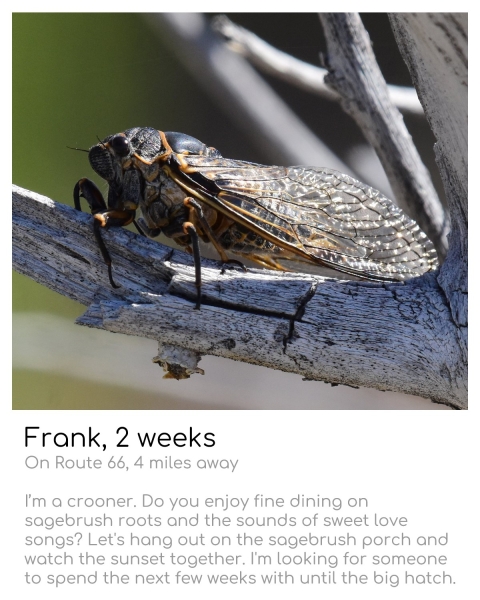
{"x": 79, "y": 76}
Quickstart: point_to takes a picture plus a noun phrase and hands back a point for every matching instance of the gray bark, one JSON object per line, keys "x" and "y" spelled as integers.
{"x": 435, "y": 49}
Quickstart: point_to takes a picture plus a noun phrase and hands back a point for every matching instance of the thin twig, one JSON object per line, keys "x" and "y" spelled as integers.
{"x": 297, "y": 72}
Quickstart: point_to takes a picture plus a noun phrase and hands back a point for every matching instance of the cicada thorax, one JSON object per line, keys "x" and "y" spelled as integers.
{"x": 163, "y": 207}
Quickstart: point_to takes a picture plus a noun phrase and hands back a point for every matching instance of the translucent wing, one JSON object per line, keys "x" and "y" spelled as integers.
{"x": 323, "y": 216}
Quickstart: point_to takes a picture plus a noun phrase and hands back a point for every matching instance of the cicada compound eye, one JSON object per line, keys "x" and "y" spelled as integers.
{"x": 119, "y": 144}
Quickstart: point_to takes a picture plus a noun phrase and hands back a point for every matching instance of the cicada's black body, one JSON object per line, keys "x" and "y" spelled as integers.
{"x": 187, "y": 191}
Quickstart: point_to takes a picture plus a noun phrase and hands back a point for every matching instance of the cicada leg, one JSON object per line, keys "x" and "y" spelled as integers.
{"x": 268, "y": 262}
{"x": 230, "y": 263}
{"x": 196, "y": 212}
{"x": 189, "y": 229}
{"x": 103, "y": 249}
{"x": 88, "y": 190}
{"x": 145, "y": 230}
{"x": 102, "y": 217}
{"x": 138, "y": 228}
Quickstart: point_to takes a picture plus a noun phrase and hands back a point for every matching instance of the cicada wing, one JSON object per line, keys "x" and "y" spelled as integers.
{"x": 321, "y": 215}
{"x": 374, "y": 237}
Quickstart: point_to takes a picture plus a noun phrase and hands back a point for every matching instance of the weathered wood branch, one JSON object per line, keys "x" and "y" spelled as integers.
{"x": 397, "y": 337}
{"x": 297, "y": 72}
{"x": 435, "y": 48}
{"x": 355, "y": 74}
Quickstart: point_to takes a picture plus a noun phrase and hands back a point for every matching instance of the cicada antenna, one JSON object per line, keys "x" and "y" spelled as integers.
{"x": 101, "y": 142}
{"x": 80, "y": 149}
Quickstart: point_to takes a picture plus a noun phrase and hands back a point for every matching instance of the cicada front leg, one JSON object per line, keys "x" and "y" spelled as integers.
{"x": 103, "y": 217}
{"x": 88, "y": 190}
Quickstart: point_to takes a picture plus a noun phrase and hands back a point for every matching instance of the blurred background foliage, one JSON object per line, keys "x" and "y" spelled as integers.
{"x": 77, "y": 77}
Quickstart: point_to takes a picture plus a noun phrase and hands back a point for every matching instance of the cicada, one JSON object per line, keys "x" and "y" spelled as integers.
{"x": 268, "y": 214}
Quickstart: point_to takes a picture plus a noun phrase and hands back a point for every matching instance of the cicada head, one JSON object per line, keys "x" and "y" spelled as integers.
{"x": 109, "y": 156}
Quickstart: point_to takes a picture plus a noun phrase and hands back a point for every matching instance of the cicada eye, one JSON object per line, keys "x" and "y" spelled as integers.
{"x": 119, "y": 144}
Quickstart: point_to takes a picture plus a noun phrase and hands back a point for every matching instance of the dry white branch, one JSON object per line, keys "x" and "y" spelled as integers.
{"x": 297, "y": 72}
{"x": 355, "y": 74}
{"x": 387, "y": 336}
{"x": 434, "y": 47}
